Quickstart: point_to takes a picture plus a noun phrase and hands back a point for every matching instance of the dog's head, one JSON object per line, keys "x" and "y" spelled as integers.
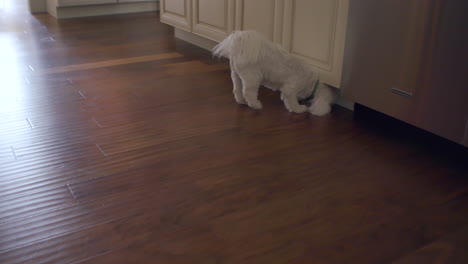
{"x": 308, "y": 91}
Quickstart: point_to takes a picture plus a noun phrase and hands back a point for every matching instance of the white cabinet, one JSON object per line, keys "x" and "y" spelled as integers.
{"x": 83, "y": 8}
{"x": 134, "y": 1}
{"x": 264, "y": 16}
{"x": 311, "y": 29}
{"x": 315, "y": 31}
{"x": 213, "y": 19}
{"x": 177, "y": 13}
{"x": 66, "y": 3}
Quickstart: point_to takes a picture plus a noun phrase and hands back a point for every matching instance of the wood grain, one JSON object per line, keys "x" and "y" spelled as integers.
{"x": 109, "y": 63}
{"x": 119, "y": 155}
{"x": 449, "y": 249}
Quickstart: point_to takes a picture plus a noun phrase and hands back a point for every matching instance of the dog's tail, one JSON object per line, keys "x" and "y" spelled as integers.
{"x": 223, "y": 48}
{"x": 242, "y": 46}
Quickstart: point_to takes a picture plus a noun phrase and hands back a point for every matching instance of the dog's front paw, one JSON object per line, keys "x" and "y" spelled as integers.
{"x": 297, "y": 109}
{"x": 240, "y": 100}
{"x": 300, "y": 109}
{"x": 257, "y": 105}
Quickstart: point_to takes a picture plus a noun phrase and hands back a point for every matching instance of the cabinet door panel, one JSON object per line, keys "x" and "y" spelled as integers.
{"x": 264, "y": 16}
{"x": 213, "y": 19}
{"x": 176, "y": 13}
{"x": 315, "y": 30}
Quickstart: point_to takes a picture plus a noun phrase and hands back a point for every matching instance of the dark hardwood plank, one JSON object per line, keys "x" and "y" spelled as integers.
{"x": 17, "y": 207}
{"x": 449, "y": 249}
{"x": 110, "y": 153}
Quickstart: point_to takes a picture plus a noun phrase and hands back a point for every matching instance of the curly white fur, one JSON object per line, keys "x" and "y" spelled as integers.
{"x": 256, "y": 61}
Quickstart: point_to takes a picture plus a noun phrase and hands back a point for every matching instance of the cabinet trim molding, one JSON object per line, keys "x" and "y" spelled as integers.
{"x": 210, "y": 31}
{"x": 177, "y": 20}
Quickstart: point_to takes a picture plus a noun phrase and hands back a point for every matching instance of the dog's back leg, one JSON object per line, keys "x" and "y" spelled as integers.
{"x": 237, "y": 86}
{"x": 251, "y": 80}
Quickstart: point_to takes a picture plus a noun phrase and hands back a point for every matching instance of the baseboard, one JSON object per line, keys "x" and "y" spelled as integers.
{"x": 99, "y": 10}
{"x": 345, "y": 103}
{"x": 194, "y": 39}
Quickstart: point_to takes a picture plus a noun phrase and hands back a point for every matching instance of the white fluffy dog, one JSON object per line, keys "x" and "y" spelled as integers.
{"x": 256, "y": 61}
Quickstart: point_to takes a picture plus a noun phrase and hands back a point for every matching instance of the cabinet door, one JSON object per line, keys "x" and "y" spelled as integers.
{"x": 176, "y": 13}
{"x": 315, "y": 30}
{"x": 407, "y": 59}
{"x": 264, "y": 16}
{"x": 213, "y": 19}
{"x": 384, "y": 50}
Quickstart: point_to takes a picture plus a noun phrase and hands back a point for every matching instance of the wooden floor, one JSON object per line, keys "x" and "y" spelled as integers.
{"x": 120, "y": 144}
